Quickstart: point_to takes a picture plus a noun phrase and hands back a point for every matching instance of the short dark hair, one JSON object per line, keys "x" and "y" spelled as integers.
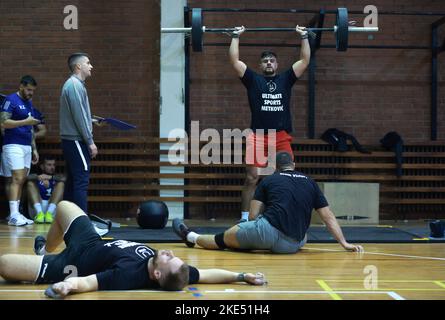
{"x": 267, "y": 53}
{"x": 176, "y": 281}
{"x": 284, "y": 159}
{"x": 25, "y": 80}
{"x": 47, "y": 157}
{"x": 74, "y": 58}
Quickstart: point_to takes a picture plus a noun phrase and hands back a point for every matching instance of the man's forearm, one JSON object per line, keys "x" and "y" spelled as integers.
{"x": 305, "y": 52}
{"x": 335, "y": 229}
{"x": 32, "y": 177}
{"x": 10, "y": 124}
{"x": 83, "y": 284}
{"x": 33, "y": 142}
{"x": 234, "y": 50}
{"x": 219, "y": 276}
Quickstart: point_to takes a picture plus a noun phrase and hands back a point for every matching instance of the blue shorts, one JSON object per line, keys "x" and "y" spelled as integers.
{"x": 259, "y": 234}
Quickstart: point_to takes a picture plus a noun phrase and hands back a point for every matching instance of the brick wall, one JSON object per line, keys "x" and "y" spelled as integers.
{"x": 122, "y": 38}
{"x": 366, "y": 92}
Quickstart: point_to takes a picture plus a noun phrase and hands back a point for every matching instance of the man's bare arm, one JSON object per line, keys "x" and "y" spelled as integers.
{"x": 329, "y": 219}
{"x": 225, "y": 276}
{"x": 239, "y": 66}
{"x": 256, "y": 208}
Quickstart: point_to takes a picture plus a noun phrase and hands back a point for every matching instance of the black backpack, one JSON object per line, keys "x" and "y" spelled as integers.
{"x": 393, "y": 141}
{"x": 338, "y": 139}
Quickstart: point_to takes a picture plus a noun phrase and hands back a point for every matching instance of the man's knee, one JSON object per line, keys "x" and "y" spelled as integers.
{"x": 4, "y": 265}
{"x": 230, "y": 239}
{"x": 18, "y": 178}
{"x": 65, "y": 208}
{"x": 252, "y": 176}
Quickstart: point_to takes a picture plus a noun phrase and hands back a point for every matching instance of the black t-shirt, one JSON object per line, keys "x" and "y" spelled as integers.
{"x": 121, "y": 265}
{"x": 269, "y": 99}
{"x": 290, "y": 197}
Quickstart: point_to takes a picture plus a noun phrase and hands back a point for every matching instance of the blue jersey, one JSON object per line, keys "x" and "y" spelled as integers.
{"x": 39, "y": 116}
{"x": 19, "y": 109}
{"x": 45, "y": 193}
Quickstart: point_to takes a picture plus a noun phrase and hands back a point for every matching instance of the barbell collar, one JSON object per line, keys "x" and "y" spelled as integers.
{"x": 176, "y": 30}
{"x": 363, "y": 29}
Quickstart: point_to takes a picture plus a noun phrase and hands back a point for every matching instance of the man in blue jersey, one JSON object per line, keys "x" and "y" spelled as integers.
{"x": 76, "y": 130}
{"x": 45, "y": 191}
{"x": 89, "y": 263}
{"x": 19, "y": 147}
{"x": 280, "y": 216}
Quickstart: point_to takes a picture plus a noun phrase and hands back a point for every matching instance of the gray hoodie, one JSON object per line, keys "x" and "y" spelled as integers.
{"x": 75, "y": 114}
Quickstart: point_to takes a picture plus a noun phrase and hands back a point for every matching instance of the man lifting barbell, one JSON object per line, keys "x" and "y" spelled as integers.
{"x": 341, "y": 29}
{"x": 269, "y": 100}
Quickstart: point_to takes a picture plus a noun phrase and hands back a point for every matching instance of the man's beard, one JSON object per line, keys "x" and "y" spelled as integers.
{"x": 268, "y": 71}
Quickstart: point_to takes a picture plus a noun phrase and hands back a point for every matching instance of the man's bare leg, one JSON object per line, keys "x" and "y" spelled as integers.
{"x": 249, "y": 189}
{"x": 20, "y": 267}
{"x": 66, "y": 213}
{"x": 207, "y": 241}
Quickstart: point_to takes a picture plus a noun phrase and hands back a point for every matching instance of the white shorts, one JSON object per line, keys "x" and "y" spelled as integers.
{"x": 15, "y": 157}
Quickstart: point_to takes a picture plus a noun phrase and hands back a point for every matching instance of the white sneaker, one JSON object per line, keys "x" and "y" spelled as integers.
{"x": 99, "y": 231}
{"x": 17, "y": 221}
{"x": 28, "y": 221}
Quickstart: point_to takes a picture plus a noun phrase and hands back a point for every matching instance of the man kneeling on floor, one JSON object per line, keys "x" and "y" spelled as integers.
{"x": 89, "y": 263}
{"x": 280, "y": 215}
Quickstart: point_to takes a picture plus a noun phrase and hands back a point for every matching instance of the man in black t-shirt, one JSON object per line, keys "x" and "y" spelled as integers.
{"x": 89, "y": 263}
{"x": 280, "y": 216}
{"x": 269, "y": 100}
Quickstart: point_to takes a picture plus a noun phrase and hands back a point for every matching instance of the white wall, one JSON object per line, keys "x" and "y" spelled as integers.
{"x": 172, "y": 112}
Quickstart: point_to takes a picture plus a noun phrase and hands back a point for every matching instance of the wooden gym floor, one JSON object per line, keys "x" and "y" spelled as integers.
{"x": 318, "y": 272}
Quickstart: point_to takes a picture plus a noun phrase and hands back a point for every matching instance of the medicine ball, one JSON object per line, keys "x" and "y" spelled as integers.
{"x": 152, "y": 214}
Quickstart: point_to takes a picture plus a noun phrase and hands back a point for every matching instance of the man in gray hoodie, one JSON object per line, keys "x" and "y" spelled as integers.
{"x": 76, "y": 130}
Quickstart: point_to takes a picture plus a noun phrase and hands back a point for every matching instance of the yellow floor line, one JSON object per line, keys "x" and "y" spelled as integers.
{"x": 440, "y": 284}
{"x": 328, "y": 290}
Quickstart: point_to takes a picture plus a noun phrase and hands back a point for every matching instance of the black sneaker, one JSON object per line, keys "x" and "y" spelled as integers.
{"x": 39, "y": 243}
{"x": 182, "y": 231}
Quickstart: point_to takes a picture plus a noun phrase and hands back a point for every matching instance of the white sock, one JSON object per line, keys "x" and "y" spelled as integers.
{"x": 38, "y": 207}
{"x": 245, "y": 215}
{"x": 192, "y": 237}
{"x": 14, "y": 208}
{"x": 42, "y": 251}
{"x": 52, "y": 208}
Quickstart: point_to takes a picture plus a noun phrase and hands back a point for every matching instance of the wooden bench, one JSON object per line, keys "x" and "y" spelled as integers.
{"x": 128, "y": 171}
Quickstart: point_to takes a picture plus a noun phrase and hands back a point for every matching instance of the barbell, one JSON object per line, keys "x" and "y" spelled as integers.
{"x": 341, "y": 29}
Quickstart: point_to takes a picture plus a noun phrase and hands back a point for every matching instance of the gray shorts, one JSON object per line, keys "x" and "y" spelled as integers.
{"x": 260, "y": 234}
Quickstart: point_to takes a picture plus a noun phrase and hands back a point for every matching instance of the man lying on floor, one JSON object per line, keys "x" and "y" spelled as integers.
{"x": 89, "y": 263}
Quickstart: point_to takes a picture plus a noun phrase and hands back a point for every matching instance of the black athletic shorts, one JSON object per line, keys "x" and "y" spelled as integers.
{"x": 79, "y": 236}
